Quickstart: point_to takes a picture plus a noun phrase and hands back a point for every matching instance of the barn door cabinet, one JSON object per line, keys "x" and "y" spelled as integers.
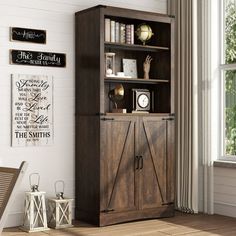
{"x": 124, "y": 161}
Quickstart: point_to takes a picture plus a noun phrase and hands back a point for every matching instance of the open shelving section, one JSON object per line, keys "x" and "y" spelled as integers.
{"x": 159, "y": 48}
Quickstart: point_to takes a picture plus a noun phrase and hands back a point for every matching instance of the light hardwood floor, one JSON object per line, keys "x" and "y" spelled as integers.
{"x": 181, "y": 224}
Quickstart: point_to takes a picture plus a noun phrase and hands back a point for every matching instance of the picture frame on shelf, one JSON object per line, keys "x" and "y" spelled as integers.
{"x": 130, "y": 67}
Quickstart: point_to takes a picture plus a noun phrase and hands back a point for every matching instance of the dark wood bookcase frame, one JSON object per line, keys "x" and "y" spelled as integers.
{"x": 124, "y": 163}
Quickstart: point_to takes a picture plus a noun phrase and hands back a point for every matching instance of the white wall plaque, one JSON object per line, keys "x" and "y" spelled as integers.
{"x": 32, "y": 110}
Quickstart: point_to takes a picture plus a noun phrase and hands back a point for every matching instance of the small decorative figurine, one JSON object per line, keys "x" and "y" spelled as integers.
{"x": 146, "y": 67}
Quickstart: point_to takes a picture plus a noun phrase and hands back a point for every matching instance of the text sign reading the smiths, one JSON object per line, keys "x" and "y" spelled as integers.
{"x": 28, "y": 35}
{"x": 35, "y": 58}
{"x": 32, "y": 110}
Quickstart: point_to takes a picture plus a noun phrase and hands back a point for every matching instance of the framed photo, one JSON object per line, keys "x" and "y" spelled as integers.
{"x": 130, "y": 67}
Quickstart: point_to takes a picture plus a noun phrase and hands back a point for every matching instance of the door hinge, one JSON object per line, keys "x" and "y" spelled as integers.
{"x": 169, "y": 118}
{"x": 105, "y": 119}
{"x": 167, "y": 203}
{"x": 107, "y": 210}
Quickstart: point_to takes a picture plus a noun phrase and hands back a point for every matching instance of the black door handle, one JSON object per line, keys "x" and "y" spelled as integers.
{"x": 137, "y": 162}
{"x": 141, "y": 159}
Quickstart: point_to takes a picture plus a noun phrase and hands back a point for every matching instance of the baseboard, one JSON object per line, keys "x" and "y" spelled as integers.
{"x": 15, "y": 219}
{"x": 226, "y": 209}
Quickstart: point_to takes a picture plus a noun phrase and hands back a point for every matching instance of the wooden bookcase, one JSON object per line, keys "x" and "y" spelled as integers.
{"x": 124, "y": 162}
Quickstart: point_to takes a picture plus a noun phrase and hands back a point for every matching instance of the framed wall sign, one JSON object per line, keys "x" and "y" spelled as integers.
{"x": 28, "y": 35}
{"x": 32, "y": 110}
{"x": 36, "y": 58}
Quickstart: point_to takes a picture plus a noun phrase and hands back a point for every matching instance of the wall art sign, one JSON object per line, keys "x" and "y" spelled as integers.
{"x": 32, "y": 110}
{"x": 28, "y": 35}
{"x": 36, "y": 58}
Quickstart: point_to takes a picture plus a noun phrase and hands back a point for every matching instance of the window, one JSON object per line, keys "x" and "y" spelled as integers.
{"x": 228, "y": 80}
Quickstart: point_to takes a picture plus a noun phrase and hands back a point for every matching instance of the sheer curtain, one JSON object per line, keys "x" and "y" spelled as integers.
{"x": 193, "y": 178}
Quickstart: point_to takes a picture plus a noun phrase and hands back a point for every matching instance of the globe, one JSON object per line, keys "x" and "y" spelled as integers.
{"x": 144, "y": 33}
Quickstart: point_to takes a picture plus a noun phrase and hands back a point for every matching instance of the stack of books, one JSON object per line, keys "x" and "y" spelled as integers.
{"x": 117, "y": 32}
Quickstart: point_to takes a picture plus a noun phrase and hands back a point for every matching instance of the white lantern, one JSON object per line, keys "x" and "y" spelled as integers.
{"x": 35, "y": 218}
{"x": 60, "y": 209}
{"x": 60, "y": 213}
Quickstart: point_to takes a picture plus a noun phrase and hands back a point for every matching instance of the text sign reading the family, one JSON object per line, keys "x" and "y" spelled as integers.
{"x": 28, "y": 35}
{"x": 32, "y": 110}
{"x": 35, "y": 58}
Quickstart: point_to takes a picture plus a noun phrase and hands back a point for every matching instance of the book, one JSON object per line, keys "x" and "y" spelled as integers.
{"x": 107, "y": 30}
{"x": 117, "y": 32}
{"x": 122, "y": 33}
{"x": 113, "y": 31}
{"x": 132, "y": 34}
{"x": 128, "y": 34}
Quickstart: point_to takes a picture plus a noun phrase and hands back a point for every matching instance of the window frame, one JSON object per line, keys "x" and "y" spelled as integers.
{"x": 223, "y": 68}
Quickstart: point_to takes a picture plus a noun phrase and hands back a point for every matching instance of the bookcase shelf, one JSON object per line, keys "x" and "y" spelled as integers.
{"x": 135, "y": 80}
{"x": 135, "y": 47}
{"x": 162, "y": 115}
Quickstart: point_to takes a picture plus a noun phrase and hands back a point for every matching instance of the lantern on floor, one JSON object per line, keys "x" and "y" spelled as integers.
{"x": 60, "y": 208}
{"x": 35, "y": 218}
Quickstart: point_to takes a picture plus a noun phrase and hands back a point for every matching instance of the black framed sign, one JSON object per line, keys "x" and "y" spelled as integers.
{"x": 36, "y": 58}
{"x": 28, "y": 35}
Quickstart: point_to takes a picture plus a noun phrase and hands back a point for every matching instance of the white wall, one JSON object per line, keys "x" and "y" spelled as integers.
{"x": 57, "y": 18}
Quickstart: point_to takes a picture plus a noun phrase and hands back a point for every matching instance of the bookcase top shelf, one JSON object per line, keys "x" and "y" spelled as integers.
{"x": 135, "y": 47}
{"x": 135, "y": 80}
{"x": 138, "y": 114}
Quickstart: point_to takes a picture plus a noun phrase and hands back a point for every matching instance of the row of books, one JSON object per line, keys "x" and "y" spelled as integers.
{"x": 117, "y": 32}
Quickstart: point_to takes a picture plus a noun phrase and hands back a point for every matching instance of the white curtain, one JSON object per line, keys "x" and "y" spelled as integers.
{"x": 206, "y": 78}
{"x": 194, "y": 180}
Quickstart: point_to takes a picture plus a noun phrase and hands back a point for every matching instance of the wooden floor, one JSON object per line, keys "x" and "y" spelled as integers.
{"x": 181, "y": 224}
